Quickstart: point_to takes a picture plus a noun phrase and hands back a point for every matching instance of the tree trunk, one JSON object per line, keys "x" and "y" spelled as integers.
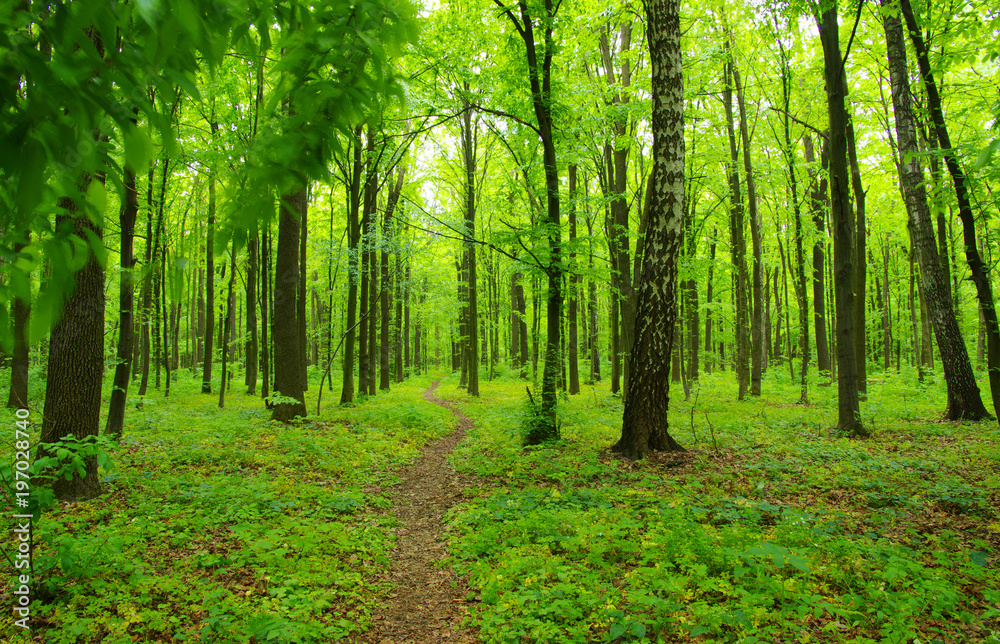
{"x": 287, "y": 348}
{"x": 353, "y": 245}
{"x": 979, "y": 276}
{"x": 964, "y": 401}
{"x": 644, "y": 424}
{"x": 229, "y": 323}
{"x": 470, "y": 357}
{"x": 76, "y": 361}
{"x": 849, "y": 413}
{"x": 251, "y": 305}
{"x": 818, "y": 201}
{"x": 742, "y": 356}
{"x": 757, "y": 310}
{"x": 574, "y": 282}
{"x": 265, "y": 302}
{"x": 206, "y": 373}
{"x": 126, "y": 304}
{"x": 17, "y": 397}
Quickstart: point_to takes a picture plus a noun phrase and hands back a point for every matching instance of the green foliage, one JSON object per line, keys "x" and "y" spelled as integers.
{"x": 218, "y": 525}
{"x": 536, "y": 426}
{"x": 786, "y": 536}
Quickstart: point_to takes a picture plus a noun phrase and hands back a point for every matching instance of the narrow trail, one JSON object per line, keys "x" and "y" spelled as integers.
{"x": 427, "y": 603}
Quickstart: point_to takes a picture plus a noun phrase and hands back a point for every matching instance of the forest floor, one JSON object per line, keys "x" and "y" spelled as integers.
{"x": 396, "y": 520}
{"x": 428, "y": 601}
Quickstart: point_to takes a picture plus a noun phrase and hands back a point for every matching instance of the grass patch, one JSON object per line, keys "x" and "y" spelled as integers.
{"x": 222, "y": 526}
{"x": 768, "y": 530}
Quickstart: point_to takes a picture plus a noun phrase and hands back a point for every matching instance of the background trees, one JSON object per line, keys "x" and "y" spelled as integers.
{"x": 466, "y": 187}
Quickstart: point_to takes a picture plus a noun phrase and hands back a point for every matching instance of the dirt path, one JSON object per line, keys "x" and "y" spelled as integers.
{"x": 427, "y": 603}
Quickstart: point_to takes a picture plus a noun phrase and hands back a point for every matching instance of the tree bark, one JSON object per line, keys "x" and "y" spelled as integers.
{"x": 76, "y": 361}
{"x": 353, "y": 245}
{"x": 757, "y": 309}
{"x": 17, "y": 397}
{"x": 287, "y": 347}
{"x": 849, "y": 413}
{"x": 742, "y": 356}
{"x": 818, "y": 201}
{"x": 644, "y": 423}
{"x": 574, "y": 282}
{"x": 251, "y": 304}
{"x": 964, "y": 400}
{"x": 470, "y": 357}
{"x": 979, "y": 276}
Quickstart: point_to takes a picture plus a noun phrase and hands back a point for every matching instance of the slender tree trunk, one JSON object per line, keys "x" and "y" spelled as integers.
{"x": 849, "y": 413}
{"x": 229, "y": 323}
{"x": 206, "y": 373}
{"x": 301, "y": 297}
{"x": 738, "y": 245}
{"x": 709, "y": 348}
{"x": 818, "y": 204}
{"x": 353, "y": 244}
{"x": 251, "y": 305}
{"x": 757, "y": 309}
{"x": 126, "y": 304}
{"x": 574, "y": 281}
{"x": 17, "y": 397}
{"x": 470, "y": 337}
{"x": 265, "y": 304}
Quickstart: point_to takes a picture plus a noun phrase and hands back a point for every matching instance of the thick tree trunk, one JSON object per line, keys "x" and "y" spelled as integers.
{"x": 979, "y": 276}
{"x": 287, "y": 347}
{"x": 76, "y": 362}
{"x": 964, "y": 401}
{"x": 644, "y": 424}
{"x": 849, "y": 413}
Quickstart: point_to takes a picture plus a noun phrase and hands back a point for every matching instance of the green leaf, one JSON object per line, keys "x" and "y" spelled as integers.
{"x": 148, "y": 10}
{"x": 138, "y": 148}
{"x": 617, "y": 630}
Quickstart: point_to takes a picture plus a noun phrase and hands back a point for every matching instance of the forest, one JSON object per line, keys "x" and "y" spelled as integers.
{"x": 513, "y": 321}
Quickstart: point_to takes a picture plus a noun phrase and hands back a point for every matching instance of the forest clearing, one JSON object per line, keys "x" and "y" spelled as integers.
{"x": 400, "y": 322}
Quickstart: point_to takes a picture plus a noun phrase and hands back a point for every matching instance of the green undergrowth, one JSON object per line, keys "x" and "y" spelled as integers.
{"x": 218, "y": 525}
{"x": 767, "y": 530}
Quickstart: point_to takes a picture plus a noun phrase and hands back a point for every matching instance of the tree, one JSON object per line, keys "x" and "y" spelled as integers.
{"x": 76, "y": 356}
{"x": 980, "y": 278}
{"x": 849, "y": 412}
{"x": 126, "y": 304}
{"x": 644, "y": 424}
{"x": 964, "y": 400}
{"x": 287, "y": 350}
{"x": 540, "y": 81}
